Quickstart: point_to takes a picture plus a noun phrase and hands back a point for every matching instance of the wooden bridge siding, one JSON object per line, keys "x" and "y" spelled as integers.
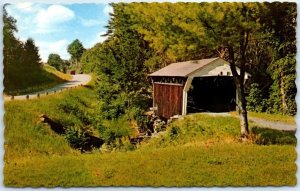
{"x": 168, "y": 99}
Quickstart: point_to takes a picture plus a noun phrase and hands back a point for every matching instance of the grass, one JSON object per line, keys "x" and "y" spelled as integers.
{"x": 36, "y": 80}
{"x": 57, "y": 73}
{"x": 216, "y": 165}
{"x": 271, "y": 117}
{"x": 198, "y": 150}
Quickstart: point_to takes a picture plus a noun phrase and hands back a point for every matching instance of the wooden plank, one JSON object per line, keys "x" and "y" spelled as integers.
{"x": 168, "y": 99}
{"x": 175, "y": 94}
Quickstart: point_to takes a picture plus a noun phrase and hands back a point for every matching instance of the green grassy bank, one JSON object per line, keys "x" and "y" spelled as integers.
{"x": 34, "y": 80}
{"x": 199, "y": 150}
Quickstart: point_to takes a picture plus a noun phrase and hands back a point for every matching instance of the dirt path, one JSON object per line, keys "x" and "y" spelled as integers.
{"x": 78, "y": 80}
{"x": 264, "y": 123}
{"x": 274, "y": 124}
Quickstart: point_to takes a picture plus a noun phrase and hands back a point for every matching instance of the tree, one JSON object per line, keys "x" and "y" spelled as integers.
{"x": 55, "y": 61}
{"x": 12, "y": 47}
{"x": 21, "y": 60}
{"x": 281, "y": 25}
{"x": 209, "y": 28}
{"x": 230, "y": 27}
{"x": 173, "y": 32}
{"x": 121, "y": 67}
{"x": 76, "y": 49}
{"x": 32, "y": 53}
{"x": 90, "y": 58}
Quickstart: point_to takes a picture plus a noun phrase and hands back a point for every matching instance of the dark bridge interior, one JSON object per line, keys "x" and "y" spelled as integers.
{"x": 212, "y": 94}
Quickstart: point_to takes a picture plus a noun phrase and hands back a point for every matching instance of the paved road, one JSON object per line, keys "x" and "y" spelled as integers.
{"x": 264, "y": 123}
{"x": 78, "y": 79}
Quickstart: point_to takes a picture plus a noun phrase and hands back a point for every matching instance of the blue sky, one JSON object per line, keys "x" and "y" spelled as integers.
{"x": 54, "y": 26}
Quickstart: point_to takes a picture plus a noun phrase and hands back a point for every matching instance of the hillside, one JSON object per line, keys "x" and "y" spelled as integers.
{"x": 199, "y": 150}
{"x": 34, "y": 80}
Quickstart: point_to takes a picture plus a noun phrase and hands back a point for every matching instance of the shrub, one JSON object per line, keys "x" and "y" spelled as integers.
{"x": 174, "y": 132}
{"x": 76, "y": 137}
{"x": 112, "y": 132}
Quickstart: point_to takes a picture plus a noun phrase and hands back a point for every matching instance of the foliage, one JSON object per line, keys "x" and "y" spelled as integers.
{"x": 80, "y": 138}
{"x": 113, "y": 132}
{"x": 76, "y": 137}
{"x": 281, "y": 26}
{"x": 121, "y": 68}
{"x": 283, "y": 89}
{"x": 76, "y": 49}
{"x": 255, "y": 100}
{"x": 90, "y": 58}
{"x": 22, "y": 64}
{"x": 55, "y": 61}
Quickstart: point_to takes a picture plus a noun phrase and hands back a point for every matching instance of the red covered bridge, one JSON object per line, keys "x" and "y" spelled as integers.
{"x": 194, "y": 86}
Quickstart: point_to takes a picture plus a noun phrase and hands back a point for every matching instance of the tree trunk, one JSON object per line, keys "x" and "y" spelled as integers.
{"x": 242, "y": 108}
{"x": 239, "y": 82}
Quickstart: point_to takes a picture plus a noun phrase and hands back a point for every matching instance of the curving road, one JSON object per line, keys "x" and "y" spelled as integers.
{"x": 78, "y": 80}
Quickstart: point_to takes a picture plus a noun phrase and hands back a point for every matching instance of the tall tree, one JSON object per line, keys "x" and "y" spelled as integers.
{"x": 230, "y": 27}
{"x": 12, "y": 47}
{"x": 121, "y": 67}
{"x": 55, "y": 61}
{"x": 32, "y": 53}
{"x": 76, "y": 49}
{"x": 21, "y": 59}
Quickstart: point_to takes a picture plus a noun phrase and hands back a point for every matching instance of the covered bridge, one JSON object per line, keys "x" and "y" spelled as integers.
{"x": 194, "y": 86}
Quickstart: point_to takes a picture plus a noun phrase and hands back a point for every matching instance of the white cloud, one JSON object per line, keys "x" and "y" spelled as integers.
{"x": 58, "y": 47}
{"x": 48, "y": 19}
{"x": 108, "y": 9}
{"x": 26, "y": 7}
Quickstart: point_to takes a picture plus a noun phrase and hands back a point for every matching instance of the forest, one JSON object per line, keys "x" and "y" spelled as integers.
{"x": 144, "y": 37}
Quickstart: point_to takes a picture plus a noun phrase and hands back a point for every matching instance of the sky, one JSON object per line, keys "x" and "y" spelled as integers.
{"x": 54, "y": 26}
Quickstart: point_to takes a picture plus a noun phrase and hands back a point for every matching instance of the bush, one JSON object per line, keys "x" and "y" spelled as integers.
{"x": 174, "y": 132}
{"x": 113, "y": 131}
{"x": 76, "y": 137}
